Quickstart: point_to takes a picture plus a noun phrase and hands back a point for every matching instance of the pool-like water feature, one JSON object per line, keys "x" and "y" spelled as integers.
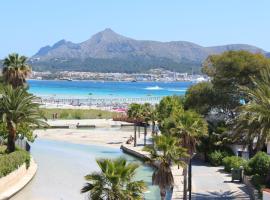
{"x": 62, "y": 167}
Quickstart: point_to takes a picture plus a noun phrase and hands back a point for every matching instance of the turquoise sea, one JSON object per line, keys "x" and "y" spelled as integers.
{"x": 85, "y": 89}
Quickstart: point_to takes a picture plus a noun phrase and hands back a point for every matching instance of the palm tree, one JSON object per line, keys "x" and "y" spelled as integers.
{"x": 247, "y": 130}
{"x": 256, "y": 113}
{"x": 189, "y": 127}
{"x": 17, "y": 107}
{"x": 166, "y": 152}
{"x": 153, "y": 118}
{"x": 148, "y": 114}
{"x": 114, "y": 182}
{"x": 15, "y": 70}
{"x": 135, "y": 113}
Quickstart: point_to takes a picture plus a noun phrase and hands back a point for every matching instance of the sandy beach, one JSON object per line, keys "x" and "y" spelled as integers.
{"x": 107, "y": 132}
{"x": 85, "y": 107}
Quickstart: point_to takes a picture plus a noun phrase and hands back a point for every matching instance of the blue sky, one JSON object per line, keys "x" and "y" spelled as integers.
{"x": 30, "y": 24}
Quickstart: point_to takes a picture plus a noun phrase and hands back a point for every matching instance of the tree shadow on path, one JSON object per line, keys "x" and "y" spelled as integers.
{"x": 223, "y": 195}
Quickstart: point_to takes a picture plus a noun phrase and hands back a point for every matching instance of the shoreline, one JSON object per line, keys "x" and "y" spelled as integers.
{"x": 115, "y": 81}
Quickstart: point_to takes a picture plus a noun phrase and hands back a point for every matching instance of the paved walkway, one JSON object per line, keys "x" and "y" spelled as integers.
{"x": 210, "y": 183}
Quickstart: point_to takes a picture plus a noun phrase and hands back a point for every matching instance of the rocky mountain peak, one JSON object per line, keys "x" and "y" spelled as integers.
{"x": 107, "y": 35}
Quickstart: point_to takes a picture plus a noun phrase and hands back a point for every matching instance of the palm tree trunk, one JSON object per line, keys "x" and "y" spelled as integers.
{"x": 11, "y": 137}
{"x": 260, "y": 142}
{"x": 251, "y": 150}
{"x": 135, "y": 135}
{"x": 185, "y": 183}
{"x": 162, "y": 193}
{"x": 153, "y": 127}
{"x": 145, "y": 133}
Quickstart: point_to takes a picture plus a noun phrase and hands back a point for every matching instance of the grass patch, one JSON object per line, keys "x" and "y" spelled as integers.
{"x": 12, "y": 161}
{"x": 78, "y": 113}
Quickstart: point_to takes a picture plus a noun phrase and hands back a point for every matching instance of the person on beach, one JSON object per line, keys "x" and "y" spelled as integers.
{"x": 130, "y": 140}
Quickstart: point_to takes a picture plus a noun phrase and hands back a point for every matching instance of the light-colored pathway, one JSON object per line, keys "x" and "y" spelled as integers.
{"x": 210, "y": 183}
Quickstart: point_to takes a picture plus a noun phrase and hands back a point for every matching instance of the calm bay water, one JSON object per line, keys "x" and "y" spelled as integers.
{"x": 84, "y": 89}
{"x": 62, "y": 167}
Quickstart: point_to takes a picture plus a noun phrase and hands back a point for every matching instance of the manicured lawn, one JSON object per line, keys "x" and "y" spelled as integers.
{"x": 78, "y": 113}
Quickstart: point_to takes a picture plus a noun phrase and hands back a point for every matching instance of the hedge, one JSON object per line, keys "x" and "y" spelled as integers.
{"x": 233, "y": 162}
{"x": 12, "y": 161}
{"x": 216, "y": 157}
{"x": 258, "y": 165}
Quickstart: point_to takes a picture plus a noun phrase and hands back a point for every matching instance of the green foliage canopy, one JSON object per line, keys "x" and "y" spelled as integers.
{"x": 114, "y": 182}
{"x": 230, "y": 70}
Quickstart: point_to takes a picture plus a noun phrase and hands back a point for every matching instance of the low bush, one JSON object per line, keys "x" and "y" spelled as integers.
{"x": 78, "y": 113}
{"x": 258, "y": 182}
{"x": 233, "y": 162}
{"x": 258, "y": 165}
{"x": 216, "y": 157}
{"x": 64, "y": 115}
{"x": 12, "y": 161}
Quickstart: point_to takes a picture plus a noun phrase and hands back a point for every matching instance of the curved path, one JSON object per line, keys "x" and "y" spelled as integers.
{"x": 211, "y": 183}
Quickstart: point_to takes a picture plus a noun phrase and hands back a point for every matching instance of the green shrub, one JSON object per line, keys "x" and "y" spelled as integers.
{"x": 77, "y": 115}
{"x": 64, "y": 114}
{"x": 100, "y": 115}
{"x": 259, "y": 165}
{"x": 12, "y": 161}
{"x": 258, "y": 182}
{"x": 234, "y": 162}
{"x": 84, "y": 113}
{"x": 216, "y": 157}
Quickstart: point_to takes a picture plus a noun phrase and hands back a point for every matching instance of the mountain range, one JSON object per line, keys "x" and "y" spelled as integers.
{"x": 108, "y": 51}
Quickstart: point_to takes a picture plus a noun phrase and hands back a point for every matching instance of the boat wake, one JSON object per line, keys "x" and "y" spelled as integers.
{"x": 154, "y": 88}
{"x": 177, "y": 90}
